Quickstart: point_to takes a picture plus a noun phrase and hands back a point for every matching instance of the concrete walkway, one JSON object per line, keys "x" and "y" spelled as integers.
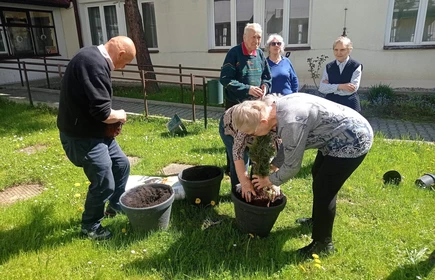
{"x": 392, "y": 129}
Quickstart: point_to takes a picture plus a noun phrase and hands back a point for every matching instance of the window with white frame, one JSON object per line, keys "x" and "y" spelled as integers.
{"x": 411, "y": 22}
{"x": 149, "y": 23}
{"x": 289, "y": 18}
{"x": 103, "y": 22}
{"x": 108, "y": 19}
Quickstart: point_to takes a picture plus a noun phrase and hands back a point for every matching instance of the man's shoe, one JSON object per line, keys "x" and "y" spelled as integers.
{"x": 111, "y": 212}
{"x": 305, "y": 221}
{"x": 99, "y": 234}
{"x": 318, "y": 248}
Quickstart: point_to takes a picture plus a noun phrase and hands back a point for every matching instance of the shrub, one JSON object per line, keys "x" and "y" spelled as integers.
{"x": 380, "y": 94}
{"x": 314, "y": 64}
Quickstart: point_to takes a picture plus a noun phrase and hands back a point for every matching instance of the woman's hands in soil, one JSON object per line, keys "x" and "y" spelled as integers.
{"x": 248, "y": 190}
{"x": 261, "y": 182}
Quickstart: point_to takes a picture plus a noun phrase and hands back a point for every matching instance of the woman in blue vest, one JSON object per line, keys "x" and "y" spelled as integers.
{"x": 341, "y": 77}
{"x": 284, "y": 79}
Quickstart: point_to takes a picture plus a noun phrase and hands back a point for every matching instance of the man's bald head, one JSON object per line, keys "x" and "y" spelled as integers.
{"x": 121, "y": 50}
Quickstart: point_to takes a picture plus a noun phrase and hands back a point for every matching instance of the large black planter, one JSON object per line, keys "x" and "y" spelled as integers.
{"x": 148, "y": 218}
{"x": 254, "y": 219}
{"x": 201, "y": 183}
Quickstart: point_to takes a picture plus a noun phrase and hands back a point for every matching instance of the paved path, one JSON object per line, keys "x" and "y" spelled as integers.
{"x": 392, "y": 129}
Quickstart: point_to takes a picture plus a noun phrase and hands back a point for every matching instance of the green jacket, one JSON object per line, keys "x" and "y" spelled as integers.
{"x": 240, "y": 71}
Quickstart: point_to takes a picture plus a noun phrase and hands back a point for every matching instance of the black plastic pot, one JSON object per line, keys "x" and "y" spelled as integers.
{"x": 392, "y": 177}
{"x": 426, "y": 181}
{"x": 256, "y": 220}
{"x": 149, "y": 218}
{"x": 201, "y": 183}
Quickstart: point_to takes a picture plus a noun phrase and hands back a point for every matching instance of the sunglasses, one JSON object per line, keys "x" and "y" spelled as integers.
{"x": 275, "y": 44}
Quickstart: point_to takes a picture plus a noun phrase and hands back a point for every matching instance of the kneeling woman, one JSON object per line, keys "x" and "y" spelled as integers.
{"x": 342, "y": 136}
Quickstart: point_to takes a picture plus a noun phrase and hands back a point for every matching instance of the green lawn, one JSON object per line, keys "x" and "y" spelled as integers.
{"x": 381, "y": 232}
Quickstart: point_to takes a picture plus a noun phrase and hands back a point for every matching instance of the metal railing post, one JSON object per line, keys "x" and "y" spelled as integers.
{"x": 205, "y": 101}
{"x": 46, "y": 72}
{"x": 27, "y": 83}
{"x": 192, "y": 84}
{"x": 180, "y": 71}
{"x": 19, "y": 70}
{"x": 145, "y": 98}
{"x": 59, "y": 69}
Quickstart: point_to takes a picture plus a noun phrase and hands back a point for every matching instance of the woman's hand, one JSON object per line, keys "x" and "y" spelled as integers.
{"x": 261, "y": 182}
{"x": 247, "y": 190}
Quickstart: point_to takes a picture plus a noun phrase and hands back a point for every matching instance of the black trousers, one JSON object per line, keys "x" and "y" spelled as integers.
{"x": 329, "y": 174}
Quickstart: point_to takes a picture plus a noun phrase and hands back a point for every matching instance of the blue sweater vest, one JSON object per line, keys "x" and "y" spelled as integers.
{"x": 334, "y": 77}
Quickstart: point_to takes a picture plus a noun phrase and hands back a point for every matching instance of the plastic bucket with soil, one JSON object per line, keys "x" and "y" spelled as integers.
{"x": 148, "y": 206}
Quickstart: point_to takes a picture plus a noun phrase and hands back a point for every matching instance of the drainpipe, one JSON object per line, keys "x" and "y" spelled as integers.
{"x": 78, "y": 24}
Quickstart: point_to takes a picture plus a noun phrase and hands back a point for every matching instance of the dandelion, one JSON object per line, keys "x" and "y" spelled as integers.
{"x": 80, "y": 209}
{"x": 77, "y": 185}
{"x": 87, "y": 182}
{"x": 318, "y": 266}
{"x": 251, "y": 235}
{"x": 317, "y": 261}
{"x": 77, "y": 195}
{"x": 302, "y": 268}
{"x": 124, "y": 230}
{"x": 197, "y": 201}
{"x": 234, "y": 245}
{"x": 133, "y": 251}
{"x": 89, "y": 262}
{"x": 315, "y": 256}
{"x": 212, "y": 203}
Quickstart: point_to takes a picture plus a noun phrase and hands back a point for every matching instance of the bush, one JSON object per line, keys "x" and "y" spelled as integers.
{"x": 380, "y": 94}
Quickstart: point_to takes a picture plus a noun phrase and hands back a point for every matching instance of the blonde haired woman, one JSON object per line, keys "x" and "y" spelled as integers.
{"x": 342, "y": 136}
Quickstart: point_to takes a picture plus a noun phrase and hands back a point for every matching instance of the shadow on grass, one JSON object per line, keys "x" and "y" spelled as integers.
{"x": 414, "y": 271}
{"x": 211, "y": 243}
{"x": 38, "y": 233}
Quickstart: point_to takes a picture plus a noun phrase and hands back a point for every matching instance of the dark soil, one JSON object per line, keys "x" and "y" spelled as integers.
{"x": 262, "y": 199}
{"x": 146, "y": 196}
{"x": 201, "y": 173}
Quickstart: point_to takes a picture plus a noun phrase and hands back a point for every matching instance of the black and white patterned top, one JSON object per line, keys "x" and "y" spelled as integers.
{"x": 310, "y": 122}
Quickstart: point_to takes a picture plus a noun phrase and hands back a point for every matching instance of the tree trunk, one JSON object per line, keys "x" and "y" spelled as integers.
{"x": 136, "y": 33}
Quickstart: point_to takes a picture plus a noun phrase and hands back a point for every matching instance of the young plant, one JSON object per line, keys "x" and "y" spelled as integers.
{"x": 260, "y": 153}
{"x": 380, "y": 94}
{"x": 315, "y": 64}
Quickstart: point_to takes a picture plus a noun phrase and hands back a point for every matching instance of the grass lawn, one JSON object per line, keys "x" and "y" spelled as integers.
{"x": 381, "y": 232}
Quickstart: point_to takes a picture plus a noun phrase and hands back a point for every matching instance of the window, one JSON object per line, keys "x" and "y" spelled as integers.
{"x": 149, "y": 24}
{"x": 411, "y": 22}
{"x": 107, "y": 20}
{"x": 26, "y": 33}
{"x": 102, "y": 16}
{"x": 3, "y": 45}
{"x": 289, "y": 18}
{"x": 229, "y": 28}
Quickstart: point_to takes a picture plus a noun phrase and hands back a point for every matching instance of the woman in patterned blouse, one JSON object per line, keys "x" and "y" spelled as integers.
{"x": 342, "y": 136}
{"x": 236, "y": 143}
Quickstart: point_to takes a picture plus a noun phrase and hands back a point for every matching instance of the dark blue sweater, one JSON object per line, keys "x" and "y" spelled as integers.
{"x": 334, "y": 77}
{"x": 86, "y": 95}
{"x": 284, "y": 79}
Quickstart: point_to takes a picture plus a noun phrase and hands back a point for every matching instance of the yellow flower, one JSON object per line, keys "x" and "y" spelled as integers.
{"x": 77, "y": 185}
{"x": 318, "y": 266}
{"x": 197, "y": 201}
{"x": 80, "y": 209}
{"x": 87, "y": 182}
{"x": 251, "y": 235}
{"x": 315, "y": 256}
{"x": 302, "y": 267}
{"x": 212, "y": 203}
{"x": 317, "y": 261}
{"x": 124, "y": 230}
{"x": 77, "y": 195}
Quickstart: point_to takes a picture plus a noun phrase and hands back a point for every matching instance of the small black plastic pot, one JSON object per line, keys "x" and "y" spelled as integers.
{"x": 426, "y": 181}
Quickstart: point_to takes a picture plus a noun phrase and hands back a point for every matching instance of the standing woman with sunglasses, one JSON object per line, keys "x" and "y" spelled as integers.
{"x": 284, "y": 79}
